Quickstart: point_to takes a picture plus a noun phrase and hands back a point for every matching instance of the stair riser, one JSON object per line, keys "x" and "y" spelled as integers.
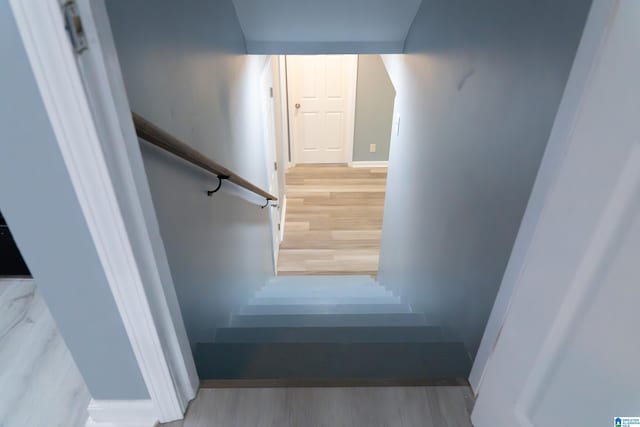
{"x": 435, "y": 361}
{"x": 344, "y": 335}
{"x": 326, "y": 309}
{"x": 321, "y": 320}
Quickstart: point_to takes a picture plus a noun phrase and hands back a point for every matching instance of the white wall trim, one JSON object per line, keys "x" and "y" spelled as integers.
{"x": 269, "y": 123}
{"x": 352, "y": 92}
{"x": 284, "y": 110}
{"x": 104, "y": 85}
{"x": 283, "y": 218}
{"x": 370, "y": 164}
{"x": 53, "y": 62}
{"x": 606, "y": 237}
{"x": 121, "y": 413}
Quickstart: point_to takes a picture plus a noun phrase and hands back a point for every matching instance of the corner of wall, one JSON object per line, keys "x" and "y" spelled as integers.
{"x": 244, "y": 36}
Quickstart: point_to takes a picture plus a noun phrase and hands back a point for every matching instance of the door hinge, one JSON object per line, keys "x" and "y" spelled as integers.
{"x": 275, "y": 166}
{"x": 73, "y": 25}
{"x": 271, "y": 92}
{"x": 278, "y": 226}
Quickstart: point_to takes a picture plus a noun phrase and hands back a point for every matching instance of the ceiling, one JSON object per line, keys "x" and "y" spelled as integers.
{"x": 332, "y": 24}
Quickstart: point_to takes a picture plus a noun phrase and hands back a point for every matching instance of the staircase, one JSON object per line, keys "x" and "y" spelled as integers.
{"x": 310, "y": 330}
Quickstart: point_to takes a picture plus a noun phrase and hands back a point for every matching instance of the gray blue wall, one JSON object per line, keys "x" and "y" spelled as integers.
{"x": 374, "y": 109}
{"x": 40, "y": 206}
{"x": 327, "y": 26}
{"x": 185, "y": 69}
{"x": 477, "y": 95}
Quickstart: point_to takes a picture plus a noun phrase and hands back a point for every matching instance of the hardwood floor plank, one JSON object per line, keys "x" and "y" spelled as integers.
{"x": 430, "y": 406}
{"x": 333, "y": 220}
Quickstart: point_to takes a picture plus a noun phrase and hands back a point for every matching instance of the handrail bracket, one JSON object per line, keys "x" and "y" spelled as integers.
{"x": 220, "y": 178}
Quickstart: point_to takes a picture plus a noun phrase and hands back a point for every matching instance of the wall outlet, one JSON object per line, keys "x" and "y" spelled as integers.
{"x": 372, "y": 148}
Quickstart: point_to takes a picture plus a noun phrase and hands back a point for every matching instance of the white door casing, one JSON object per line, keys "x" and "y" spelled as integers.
{"x": 104, "y": 84}
{"x": 568, "y": 111}
{"x": 103, "y": 177}
{"x": 268, "y": 118}
{"x": 282, "y": 132}
{"x": 322, "y": 96}
{"x": 568, "y": 349}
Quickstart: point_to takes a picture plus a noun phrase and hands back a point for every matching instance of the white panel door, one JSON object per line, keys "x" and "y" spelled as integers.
{"x": 569, "y": 350}
{"x": 321, "y": 107}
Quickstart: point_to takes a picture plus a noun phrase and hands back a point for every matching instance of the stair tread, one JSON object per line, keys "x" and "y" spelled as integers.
{"x": 322, "y": 320}
{"x": 319, "y": 300}
{"x": 328, "y": 280}
{"x": 318, "y": 290}
{"x": 433, "y": 360}
{"x": 331, "y": 334}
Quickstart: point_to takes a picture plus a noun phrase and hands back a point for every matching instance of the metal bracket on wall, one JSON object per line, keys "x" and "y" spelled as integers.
{"x": 220, "y": 178}
{"x": 267, "y": 204}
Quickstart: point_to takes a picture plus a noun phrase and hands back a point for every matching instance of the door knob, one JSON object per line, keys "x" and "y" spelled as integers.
{"x": 297, "y": 106}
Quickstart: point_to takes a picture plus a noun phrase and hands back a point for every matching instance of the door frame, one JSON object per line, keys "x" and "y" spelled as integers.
{"x": 283, "y": 79}
{"x": 267, "y": 97}
{"x": 351, "y": 110}
{"x": 282, "y": 113}
{"x": 530, "y": 353}
{"x": 84, "y": 114}
{"x": 586, "y": 59}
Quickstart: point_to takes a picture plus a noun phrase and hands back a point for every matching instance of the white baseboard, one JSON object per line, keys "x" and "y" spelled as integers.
{"x": 122, "y": 413}
{"x": 371, "y": 164}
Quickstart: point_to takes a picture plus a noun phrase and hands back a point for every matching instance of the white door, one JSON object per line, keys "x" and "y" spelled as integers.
{"x": 569, "y": 350}
{"x": 322, "y": 107}
{"x": 266, "y": 98}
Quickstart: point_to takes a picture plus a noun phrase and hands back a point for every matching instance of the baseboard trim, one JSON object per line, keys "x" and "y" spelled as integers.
{"x": 122, "y": 413}
{"x": 372, "y": 164}
{"x": 323, "y": 382}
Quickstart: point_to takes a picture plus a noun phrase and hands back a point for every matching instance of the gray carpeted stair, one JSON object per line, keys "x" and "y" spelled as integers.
{"x": 330, "y": 328}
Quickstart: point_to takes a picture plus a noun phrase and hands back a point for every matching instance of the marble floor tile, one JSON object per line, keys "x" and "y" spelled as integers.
{"x": 40, "y": 385}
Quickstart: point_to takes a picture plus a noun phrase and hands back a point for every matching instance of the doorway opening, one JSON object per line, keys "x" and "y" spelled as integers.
{"x": 334, "y": 118}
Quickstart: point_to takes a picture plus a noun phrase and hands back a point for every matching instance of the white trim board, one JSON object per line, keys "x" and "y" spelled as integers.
{"x": 121, "y": 413}
{"x": 371, "y": 164}
{"x": 60, "y": 83}
{"x": 270, "y": 142}
{"x": 353, "y": 98}
{"x": 284, "y": 111}
{"x": 282, "y": 220}
{"x": 104, "y": 84}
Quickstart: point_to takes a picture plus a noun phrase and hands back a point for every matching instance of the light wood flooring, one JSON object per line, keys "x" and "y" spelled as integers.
{"x": 333, "y": 220}
{"x": 331, "y": 407}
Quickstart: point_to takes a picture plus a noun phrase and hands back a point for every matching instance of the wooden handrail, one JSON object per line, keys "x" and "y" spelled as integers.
{"x": 158, "y": 137}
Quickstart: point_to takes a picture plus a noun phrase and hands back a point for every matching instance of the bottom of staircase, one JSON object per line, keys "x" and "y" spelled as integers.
{"x": 329, "y": 331}
{"x": 331, "y": 382}
{"x": 331, "y": 364}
